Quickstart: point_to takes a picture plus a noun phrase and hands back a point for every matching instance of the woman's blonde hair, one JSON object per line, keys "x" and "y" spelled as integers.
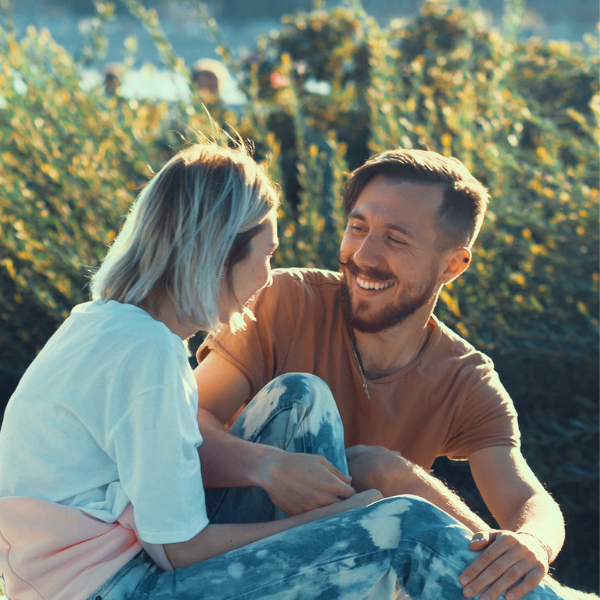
{"x": 179, "y": 235}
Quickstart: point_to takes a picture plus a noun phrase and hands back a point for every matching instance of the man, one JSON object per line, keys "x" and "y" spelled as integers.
{"x": 408, "y": 389}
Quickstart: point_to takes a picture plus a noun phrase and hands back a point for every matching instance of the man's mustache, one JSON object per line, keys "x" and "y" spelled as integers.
{"x": 369, "y": 272}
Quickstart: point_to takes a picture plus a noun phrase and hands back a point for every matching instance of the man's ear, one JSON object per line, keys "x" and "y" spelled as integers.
{"x": 456, "y": 262}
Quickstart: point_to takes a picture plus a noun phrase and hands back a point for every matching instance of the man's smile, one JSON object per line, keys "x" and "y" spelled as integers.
{"x": 365, "y": 284}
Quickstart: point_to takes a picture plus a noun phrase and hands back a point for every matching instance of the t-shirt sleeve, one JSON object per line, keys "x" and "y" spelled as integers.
{"x": 155, "y": 446}
{"x": 487, "y": 416}
{"x": 260, "y": 350}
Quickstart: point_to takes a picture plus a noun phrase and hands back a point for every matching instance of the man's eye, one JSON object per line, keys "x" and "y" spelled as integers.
{"x": 396, "y": 241}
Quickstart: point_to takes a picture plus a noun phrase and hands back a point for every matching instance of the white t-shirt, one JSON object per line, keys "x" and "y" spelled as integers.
{"x": 107, "y": 415}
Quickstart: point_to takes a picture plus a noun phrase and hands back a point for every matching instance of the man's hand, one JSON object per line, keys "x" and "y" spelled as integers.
{"x": 297, "y": 483}
{"x": 506, "y": 558}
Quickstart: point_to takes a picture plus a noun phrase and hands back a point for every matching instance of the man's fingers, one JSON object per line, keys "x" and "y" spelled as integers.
{"x": 530, "y": 581}
{"x": 510, "y": 576}
{"x": 493, "y": 576}
{"x": 483, "y": 561}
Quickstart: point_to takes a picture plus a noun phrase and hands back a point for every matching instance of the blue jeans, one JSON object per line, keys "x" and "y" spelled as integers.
{"x": 401, "y": 547}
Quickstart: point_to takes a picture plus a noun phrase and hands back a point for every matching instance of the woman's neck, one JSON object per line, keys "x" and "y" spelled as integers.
{"x": 160, "y": 306}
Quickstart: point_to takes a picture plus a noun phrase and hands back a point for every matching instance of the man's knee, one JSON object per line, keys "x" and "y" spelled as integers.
{"x": 305, "y": 387}
{"x": 285, "y": 402}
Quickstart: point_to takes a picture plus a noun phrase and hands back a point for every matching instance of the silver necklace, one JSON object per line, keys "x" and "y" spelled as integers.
{"x": 359, "y": 363}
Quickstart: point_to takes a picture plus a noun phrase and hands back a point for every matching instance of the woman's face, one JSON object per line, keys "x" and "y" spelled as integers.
{"x": 252, "y": 273}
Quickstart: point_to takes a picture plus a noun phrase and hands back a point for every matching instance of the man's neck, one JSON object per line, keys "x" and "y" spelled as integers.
{"x": 391, "y": 350}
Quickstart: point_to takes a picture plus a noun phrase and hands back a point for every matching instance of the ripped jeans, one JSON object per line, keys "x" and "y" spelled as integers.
{"x": 402, "y": 547}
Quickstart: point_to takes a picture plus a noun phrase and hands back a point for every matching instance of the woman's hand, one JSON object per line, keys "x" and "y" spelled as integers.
{"x": 297, "y": 483}
{"x": 506, "y": 558}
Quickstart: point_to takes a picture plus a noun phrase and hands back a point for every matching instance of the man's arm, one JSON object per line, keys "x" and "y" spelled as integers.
{"x": 393, "y": 475}
{"x": 295, "y": 483}
{"x": 532, "y": 528}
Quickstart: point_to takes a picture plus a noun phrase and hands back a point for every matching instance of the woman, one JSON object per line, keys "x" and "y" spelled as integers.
{"x": 101, "y": 490}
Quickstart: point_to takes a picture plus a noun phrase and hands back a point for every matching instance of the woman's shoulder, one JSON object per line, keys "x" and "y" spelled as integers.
{"x": 123, "y": 326}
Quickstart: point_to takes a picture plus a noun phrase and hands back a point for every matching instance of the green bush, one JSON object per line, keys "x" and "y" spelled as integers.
{"x": 522, "y": 115}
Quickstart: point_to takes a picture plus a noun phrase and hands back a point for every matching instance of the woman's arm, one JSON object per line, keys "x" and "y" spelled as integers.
{"x": 219, "y": 539}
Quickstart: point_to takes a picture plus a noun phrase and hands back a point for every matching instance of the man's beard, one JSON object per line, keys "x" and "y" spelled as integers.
{"x": 412, "y": 299}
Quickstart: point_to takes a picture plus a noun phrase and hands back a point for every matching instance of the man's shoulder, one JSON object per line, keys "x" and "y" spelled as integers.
{"x": 313, "y": 294}
{"x": 452, "y": 345}
{"x": 305, "y": 282}
{"x": 305, "y": 276}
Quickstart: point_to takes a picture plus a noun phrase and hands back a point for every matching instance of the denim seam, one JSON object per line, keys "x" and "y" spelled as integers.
{"x": 276, "y": 412}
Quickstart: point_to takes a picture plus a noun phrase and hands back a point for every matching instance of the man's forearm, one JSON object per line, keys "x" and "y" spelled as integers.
{"x": 391, "y": 474}
{"x": 540, "y": 517}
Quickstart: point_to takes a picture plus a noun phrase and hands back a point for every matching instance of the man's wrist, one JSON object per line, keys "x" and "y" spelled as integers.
{"x": 547, "y": 548}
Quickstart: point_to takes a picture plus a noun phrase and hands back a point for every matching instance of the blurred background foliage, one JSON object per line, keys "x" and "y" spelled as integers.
{"x": 326, "y": 91}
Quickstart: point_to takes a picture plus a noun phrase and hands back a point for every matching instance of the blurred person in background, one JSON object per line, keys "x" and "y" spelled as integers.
{"x": 113, "y": 73}
{"x": 209, "y": 77}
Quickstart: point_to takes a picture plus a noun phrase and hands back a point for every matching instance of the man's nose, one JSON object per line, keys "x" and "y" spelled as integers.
{"x": 369, "y": 253}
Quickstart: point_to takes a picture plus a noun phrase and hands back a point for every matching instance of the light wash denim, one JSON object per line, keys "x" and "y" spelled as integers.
{"x": 403, "y": 547}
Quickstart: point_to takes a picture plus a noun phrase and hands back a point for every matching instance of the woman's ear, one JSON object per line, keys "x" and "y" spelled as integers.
{"x": 457, "y": 262}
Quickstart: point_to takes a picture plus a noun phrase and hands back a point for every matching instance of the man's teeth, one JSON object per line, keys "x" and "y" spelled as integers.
{"x": 372, "y": 285}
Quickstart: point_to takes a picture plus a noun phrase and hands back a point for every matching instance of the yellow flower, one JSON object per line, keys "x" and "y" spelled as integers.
{"x": 462, "y": 329}
{"x": 450, "y": 302}
{"x": 518, "y": 278}
{"x": 527, "y": 233}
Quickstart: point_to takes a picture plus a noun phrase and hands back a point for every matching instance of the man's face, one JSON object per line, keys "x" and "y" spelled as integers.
{"x": 388, "y": 254}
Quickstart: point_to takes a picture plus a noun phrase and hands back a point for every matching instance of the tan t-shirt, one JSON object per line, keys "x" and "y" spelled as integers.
{"x": 448, "y": 402}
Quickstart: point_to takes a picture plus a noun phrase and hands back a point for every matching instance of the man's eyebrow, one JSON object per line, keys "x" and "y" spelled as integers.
{"x": 357, "y": 215}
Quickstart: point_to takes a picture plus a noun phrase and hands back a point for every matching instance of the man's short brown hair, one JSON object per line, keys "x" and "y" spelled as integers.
{"x": 464, "y": 202}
